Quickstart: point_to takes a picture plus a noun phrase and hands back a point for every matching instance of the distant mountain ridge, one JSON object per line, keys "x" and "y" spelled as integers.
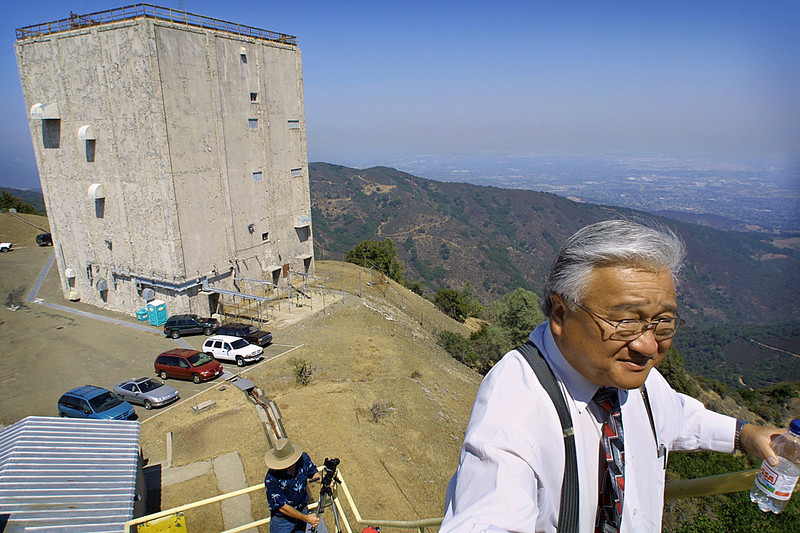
{"x": 31, "y": 196}
{"x": 712, "y": 221}
{"x": 449, "y": 234}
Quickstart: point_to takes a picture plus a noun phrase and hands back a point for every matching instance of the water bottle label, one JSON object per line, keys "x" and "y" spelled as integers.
{"x": 777, "y": 485}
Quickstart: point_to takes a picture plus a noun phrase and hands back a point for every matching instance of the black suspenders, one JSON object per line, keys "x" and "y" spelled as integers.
{"x": 568, "y": 512}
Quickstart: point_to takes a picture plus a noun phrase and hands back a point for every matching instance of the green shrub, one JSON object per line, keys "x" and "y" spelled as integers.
{"x": 380, "y": 409}
{"x": 302, "y": 370}
{"x": 381, "y": 255}
{"x": 451, "y": 303}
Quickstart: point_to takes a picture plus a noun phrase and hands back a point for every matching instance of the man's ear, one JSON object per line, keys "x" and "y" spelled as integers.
{"x": 557, "y": 313}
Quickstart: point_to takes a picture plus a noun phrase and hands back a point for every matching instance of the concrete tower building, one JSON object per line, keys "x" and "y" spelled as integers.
{"x": 171, "y": 150}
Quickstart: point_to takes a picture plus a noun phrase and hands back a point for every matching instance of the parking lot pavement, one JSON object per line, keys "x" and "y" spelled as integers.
{"x": 51, "y": 345}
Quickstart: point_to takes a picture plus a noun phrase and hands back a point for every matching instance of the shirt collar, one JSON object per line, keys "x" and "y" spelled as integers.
{"x": 581, "y": 389}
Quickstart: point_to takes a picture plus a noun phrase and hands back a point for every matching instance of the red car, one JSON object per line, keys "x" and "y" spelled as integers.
{"x": 181, "y": 363}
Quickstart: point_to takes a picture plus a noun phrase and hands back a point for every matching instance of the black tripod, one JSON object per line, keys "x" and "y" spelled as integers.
{"x": 326, "y": 492}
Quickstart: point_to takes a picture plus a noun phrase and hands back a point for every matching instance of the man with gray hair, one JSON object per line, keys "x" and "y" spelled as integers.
{"x": 572, "y": 431}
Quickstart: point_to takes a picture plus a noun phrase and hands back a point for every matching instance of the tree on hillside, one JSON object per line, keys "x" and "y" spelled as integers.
{"x": 474, "y": 305}
{"x": 414, "y": 286}
{"x": 512, "y": 318}
{"x": 381, "y": 255}
{"x": 674, "y": 371}
{"x": 9, "y": 201}
{"x": 481, "y": 350}
{"x": 488, "y": 345}
{"x": 452, "y": 304}
{"x": 458, "y": 305}
{"x": 518, "y": 313}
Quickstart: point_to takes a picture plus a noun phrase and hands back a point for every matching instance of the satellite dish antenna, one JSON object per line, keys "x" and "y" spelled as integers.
{"x": 148, "y": 294}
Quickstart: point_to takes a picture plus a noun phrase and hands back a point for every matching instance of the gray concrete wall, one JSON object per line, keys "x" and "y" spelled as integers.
{"x": 103, "y": 78}
{"x": 275, "y": 147}
{"x": 190, "y": 109}
{"x": 175, "y": 155}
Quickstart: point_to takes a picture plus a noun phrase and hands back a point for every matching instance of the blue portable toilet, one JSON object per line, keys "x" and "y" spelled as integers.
{"x": 141, "y": 314}
{"x": 157, "y": 312}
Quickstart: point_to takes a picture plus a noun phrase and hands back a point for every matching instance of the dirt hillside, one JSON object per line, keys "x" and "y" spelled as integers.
{"x": 383, "y": 396}
{"x": 375, "y": 357}
{"x": 378, "y": 355}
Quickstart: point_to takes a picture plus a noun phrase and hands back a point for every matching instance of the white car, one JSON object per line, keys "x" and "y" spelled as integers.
{"x": 5, "y": 246}
{"x": 229, "y": 348}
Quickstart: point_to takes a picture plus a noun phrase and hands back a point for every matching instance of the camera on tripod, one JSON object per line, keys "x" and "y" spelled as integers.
{"x": 326, "y": 492}
{"x": 330, "y": 472}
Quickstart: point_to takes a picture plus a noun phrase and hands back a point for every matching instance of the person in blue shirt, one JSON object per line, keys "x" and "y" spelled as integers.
{"x": 290, "y": 470}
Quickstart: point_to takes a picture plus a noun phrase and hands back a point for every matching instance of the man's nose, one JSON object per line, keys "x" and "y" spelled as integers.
{"x": 645, "y": 344}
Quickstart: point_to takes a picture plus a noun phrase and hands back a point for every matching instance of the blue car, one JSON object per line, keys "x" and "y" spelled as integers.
{"x": 94, "y": 402}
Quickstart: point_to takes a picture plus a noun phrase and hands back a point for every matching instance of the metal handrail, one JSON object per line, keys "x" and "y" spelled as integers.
{"x": 76, "y": 21}
{"x": 690, "y": 488}
{"x": 711, "y": 485}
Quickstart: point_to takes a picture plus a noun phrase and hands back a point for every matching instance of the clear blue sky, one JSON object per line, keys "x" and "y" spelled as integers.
{"x": 705, "y": 78}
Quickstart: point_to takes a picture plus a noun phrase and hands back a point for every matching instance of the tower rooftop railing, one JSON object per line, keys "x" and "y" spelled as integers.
{"x": 76, "y": 21}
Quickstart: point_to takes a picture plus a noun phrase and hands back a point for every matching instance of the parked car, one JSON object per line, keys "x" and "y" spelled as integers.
{"x": 229, "y": 348}
{"x": 178, "y": 325}
{"x": 90, "y": 401}
{"x": 181, "y": 363}
{"x": 249, "y": 333}
{"x": 44, "y": 239}
{"x": 5, "y": 247}
{"x": 145, "y": 391}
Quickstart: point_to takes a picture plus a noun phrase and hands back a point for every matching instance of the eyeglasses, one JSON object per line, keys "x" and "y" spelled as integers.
{"x": 631, "y": 329}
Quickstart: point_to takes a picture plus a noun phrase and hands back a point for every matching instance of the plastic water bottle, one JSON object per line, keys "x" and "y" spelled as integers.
{"x": 773, "y": 485}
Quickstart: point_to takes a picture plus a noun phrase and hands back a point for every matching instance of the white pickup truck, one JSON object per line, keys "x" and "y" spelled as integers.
{"x": 233, "y": 349}
{"x": 5, "y": 247}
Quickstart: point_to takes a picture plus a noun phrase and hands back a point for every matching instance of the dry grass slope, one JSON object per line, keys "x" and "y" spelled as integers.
{"x": 383, "y": 397}
{"x": 378, "y": 350}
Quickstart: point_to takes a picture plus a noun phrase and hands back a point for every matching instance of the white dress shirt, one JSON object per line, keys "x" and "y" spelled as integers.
{"x": 512, "y": 461}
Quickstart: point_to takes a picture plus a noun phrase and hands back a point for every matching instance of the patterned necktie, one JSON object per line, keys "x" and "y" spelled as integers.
{"x": 612, "y": 463}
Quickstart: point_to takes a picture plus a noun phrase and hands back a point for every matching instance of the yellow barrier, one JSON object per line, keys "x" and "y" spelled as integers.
{"x": 167, "y": 524}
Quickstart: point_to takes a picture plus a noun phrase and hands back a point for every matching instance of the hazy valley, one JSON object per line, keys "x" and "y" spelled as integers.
{"x": 750, "y": 194}
{"x": 494, "y": 240}
{"x": 451, "y": 234}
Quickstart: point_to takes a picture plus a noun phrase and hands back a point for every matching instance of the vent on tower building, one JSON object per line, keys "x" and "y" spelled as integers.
{"x": 87, "y": 134}
{"x": 45, "y": 111}
{"x": 97, "y": 191}
{"x": 51, "y": 123}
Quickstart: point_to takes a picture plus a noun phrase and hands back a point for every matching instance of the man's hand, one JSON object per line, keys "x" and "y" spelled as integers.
{"x": 756, "y": 440}
{"x": 291, "y": 512}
